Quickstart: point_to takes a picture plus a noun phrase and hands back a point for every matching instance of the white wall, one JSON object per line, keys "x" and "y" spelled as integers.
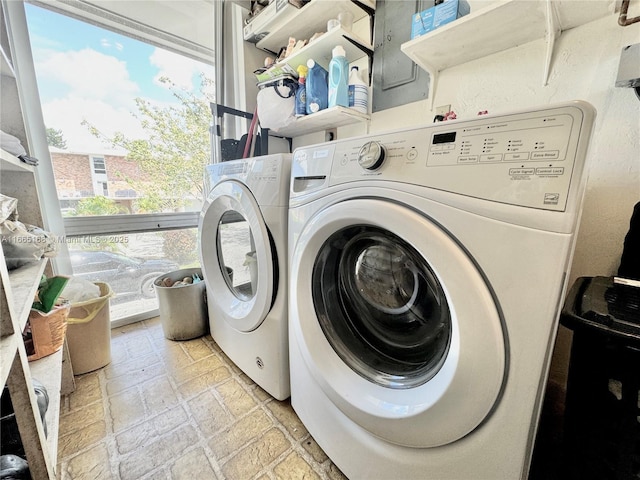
{"x": 584, "y": 67}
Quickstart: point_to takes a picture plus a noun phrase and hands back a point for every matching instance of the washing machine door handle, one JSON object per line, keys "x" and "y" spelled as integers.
{"x": 233, "y": 200}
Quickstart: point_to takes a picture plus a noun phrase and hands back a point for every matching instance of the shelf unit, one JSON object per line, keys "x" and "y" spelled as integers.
{"x": 320, "y": 49}
{"x": 17, "y": 291}
{"x": 306, "y": 21}
{"x": 497, "y": 27}
{"x": 324, "y": 119}
{"x": 312, "y": 18}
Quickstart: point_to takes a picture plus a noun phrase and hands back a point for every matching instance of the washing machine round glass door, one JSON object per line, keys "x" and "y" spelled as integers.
{"x": 237, "y": 256}
{"x": 407, "y": 339}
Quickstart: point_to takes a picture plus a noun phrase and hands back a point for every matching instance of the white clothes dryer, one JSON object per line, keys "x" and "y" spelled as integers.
{"x": 243, "y": 253}
{"x": 427, "y": 271}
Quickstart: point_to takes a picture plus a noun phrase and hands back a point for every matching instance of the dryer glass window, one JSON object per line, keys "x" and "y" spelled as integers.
{"x": 238, "y": 255}
{"x": 381, "y": 307}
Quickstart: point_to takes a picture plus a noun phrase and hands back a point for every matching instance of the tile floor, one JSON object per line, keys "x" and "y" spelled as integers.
{"x": 183, "y": 410}
{"x": 180, "y": 410}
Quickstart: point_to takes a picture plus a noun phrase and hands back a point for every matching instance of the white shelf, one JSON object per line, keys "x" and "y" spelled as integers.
{"x": 310, "y": 19}
{"x": 322, "y": 120}
{"x": 11, "y": 163}
{"x": 320, "y": 49}
{"x": 48, "y": 371}
{"x": 500, "y": 26}
{"x": 24, "y": 283}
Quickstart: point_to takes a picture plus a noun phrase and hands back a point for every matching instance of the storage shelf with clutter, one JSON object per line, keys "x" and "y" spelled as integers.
{"x": 320, "y": 51}
{"x": 287, "y": 21}
{"x": 18, "y": 286}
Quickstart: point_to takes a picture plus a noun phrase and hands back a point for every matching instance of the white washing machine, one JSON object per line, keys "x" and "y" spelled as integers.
{"x": 243, "y": 253}
{"x": 427, "y": 270}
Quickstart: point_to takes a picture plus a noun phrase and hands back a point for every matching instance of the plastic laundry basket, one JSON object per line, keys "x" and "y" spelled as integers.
{"x": 183, "y": 310}
{"x": 89, "y": 332}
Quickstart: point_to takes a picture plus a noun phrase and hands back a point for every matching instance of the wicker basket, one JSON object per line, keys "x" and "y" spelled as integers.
{"x": 47, "y": 331}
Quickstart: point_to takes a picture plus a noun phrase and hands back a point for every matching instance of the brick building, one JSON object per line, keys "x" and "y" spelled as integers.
{"x": 80, "y": 175}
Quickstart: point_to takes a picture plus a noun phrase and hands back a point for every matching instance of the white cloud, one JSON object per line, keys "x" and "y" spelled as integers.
{"x": 91, "y": 74}
{"x": 68, "y": 113}
{"x": 181, "y": 70}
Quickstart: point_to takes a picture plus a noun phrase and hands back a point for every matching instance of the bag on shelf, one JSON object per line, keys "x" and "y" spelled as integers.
{"x": 21, "y": 243}
{"x": 276, "y": 102}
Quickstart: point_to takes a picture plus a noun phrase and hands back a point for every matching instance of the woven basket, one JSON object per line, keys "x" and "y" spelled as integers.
{"x": 47, "y": 331}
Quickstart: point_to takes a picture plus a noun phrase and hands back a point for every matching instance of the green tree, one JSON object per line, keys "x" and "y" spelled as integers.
{"x": 56, "y": 139}
{"x": 175, "y": 152}
{"x": 98, "y": 206}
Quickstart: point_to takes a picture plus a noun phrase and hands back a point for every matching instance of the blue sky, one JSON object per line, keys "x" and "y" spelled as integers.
{"x": 85, "y": 72}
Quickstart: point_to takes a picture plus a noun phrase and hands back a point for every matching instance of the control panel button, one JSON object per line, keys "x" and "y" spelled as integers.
{"x": 371, "y": 155}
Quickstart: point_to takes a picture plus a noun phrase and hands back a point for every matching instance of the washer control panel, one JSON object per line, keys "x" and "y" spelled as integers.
{"x": 524, "y": 158}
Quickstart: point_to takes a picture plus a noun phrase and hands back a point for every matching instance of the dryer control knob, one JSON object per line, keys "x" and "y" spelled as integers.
{"x": 371, "y": 155}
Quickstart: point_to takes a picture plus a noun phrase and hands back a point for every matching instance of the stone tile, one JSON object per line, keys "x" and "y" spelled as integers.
{"x": 123, "y": 335}
{"x": 124, "y": 382}
{"x": 131, "y": 366}
{"x": 158, "y": 395}
{"x": 161, "y": 474}
{"x": 92, "y": 464}
{"x": 80, "y": 439}
{"x": 87, "y": 391}
{"x": 137, "y": 346}
{"x": 153, "y": 325}
{"x": 288, "y": 418}
{"x": 209, "y": 414}
{"x": 81, "y": 418}
{"x": 260, "y": 393}
{"x": 193, "y": 465}
{"x": 231, "y": 364}
{"x": 184, "y": 373}
{"x": 314, "y": 450}
{"x": 126, "y": 409}
{"x": 143, "y": 460}
{"x": 209, "y": 339}
{"x": 141, "y": 435}
{"x": 203, "y": 382}
{"x": 256, "y": 456}
{"x": 236, "y": 398}
{"x": 172, "y": 352}
{"x": 233, "y": 438}
{"x": 119, "y": 353}
{"x": 197, "y": 349}
{"x": 294, "y": 467}
{"x": 335, "y": 473}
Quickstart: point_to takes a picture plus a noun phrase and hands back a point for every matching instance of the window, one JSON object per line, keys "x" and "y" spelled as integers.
{"x": 99, "y": 166}
{"x": 128, "y": 129}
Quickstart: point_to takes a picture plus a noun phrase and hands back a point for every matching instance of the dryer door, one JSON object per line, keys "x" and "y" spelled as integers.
{"x": 406, "y": 339}
{"x": 236, "y": 256}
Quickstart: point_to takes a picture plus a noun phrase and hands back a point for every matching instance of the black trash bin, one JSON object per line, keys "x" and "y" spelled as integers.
{"x": 602, "y": 410}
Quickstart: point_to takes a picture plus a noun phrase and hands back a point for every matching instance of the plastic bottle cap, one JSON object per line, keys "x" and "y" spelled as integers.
{"x": 338, "y": 51}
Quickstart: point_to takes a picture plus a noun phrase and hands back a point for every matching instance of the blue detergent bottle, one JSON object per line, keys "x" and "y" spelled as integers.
{"x": 301, "y": 92}
{"x": 338, "y": 78}
{"x": 316, "y": 87}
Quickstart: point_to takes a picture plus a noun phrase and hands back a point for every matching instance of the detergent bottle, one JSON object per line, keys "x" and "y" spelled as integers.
{"x": 301, "y": 92}
{"x": 316, "y": 90}
{"x": 358, "y": 92}
{"x": 338, "y": 78}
